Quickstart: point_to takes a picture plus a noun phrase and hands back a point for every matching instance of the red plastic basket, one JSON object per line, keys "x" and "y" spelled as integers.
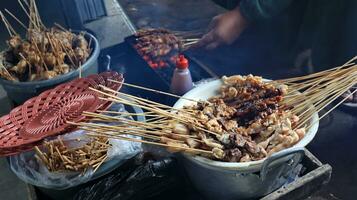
{"x": 53, "y": 119}
{"x": 12, "y": 142}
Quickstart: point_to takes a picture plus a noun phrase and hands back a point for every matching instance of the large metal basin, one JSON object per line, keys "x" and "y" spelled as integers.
{"x": 225, "y": 180}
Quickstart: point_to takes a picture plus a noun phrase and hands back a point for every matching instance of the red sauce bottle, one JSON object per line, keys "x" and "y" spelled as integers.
{"x": 181, "y": 81}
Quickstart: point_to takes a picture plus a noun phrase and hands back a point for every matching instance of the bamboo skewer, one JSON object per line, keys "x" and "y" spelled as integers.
{"x": 7, "y": 25}
{"x": 306, "y": 96}
{"x": 15, "y": 18}
{"x": 158, "y": 144}
{"x": 140, "y": 100}
{"x": 152, "y": 90}
{"x": 167, "y": 114}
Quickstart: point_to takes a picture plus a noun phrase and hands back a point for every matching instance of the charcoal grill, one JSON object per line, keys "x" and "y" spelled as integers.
{"x": 138, "y": 71}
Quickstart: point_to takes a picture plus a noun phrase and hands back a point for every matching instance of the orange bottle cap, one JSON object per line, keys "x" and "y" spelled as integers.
{"x": 181, "y": 62}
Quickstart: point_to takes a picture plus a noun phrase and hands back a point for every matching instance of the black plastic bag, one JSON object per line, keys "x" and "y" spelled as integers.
{"x": 143, "y": 177}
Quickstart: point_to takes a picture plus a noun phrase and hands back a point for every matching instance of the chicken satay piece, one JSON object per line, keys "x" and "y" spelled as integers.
{"x": 50, "y": 59}
{"x": 20, "y": 68}
{"x": 176, "y": 147}
{"x": 180, "y": 128}
{"x": 232, "y": 155}
{"x": 212, "y": 143}
{"x": 201, "y": 135}
{"x": 251, "y": 147}
{"x": 192, "y": 143}
{"x": 14, "y": 42}
{"x": 225, "y": 138}
{"x": 48, "y": 74}
{"x": 177, "y": 136}
{"x": 80, "y": 41}
{"x": 245, "y": 158}
{"x": 300, "y": 132}
{"x": 214, "y": 126}
{"x": 218, "y": 153}
{"x": 61, "y": 69}
{"x": 165, "y": 140}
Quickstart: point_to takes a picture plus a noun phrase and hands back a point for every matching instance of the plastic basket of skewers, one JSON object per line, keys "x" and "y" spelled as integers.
{"x": 47, "y": 114}
{"x": 72, "y": 159}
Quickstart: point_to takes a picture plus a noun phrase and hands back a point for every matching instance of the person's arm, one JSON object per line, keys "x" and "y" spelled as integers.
{"x": 227, "y": 27}
{"x": 223, "y": 29}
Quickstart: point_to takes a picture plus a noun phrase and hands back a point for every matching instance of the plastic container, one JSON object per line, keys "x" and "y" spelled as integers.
{"x": 105, "y": 169}
{"x": 181, "y": 80}
{"x": 19, "y": 92}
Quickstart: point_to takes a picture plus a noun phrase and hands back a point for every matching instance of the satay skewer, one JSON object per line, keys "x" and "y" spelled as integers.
{"x": 7, "y": 25}
{"x": 14, "y": 17}
{"x": 155, "y": 143}
{"x": 164, "y": 113}
{"x": 153, "y": 90}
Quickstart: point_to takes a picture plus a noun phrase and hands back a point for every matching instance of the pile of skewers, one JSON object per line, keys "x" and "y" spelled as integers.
{"x": 58, "y": 156}
{"x": 224, "y": 128}
{"x": 160, "y": 46}
{"x": 44, "y": 53}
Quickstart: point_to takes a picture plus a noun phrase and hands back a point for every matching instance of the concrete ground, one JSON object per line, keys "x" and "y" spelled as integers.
{"x": 11, "y": 186}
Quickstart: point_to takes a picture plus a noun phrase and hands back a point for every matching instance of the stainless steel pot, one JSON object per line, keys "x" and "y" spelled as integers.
{"x": 241, "y": 180}
{"x": 222, "y": 182}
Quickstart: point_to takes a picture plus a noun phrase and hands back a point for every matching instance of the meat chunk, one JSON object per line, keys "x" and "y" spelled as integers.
{"x": 233, "y": 155}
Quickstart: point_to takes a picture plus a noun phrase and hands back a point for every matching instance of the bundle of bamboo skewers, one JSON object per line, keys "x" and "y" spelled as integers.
{"x": 305, "y": 96}
{"x": 58, "y": 156}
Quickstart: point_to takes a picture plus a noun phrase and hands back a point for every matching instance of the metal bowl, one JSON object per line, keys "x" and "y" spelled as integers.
{"x": 228, "y": 180}
{"x": 19, "y": 92}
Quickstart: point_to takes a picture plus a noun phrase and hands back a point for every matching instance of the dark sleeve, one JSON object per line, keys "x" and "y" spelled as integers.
{"x": 256, "y": 10}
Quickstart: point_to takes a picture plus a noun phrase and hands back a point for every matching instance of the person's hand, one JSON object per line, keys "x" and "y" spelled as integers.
{"x": 224, "y": 29}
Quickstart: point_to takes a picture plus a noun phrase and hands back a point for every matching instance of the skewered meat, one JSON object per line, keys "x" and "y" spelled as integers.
{"x": 157, "y": 45}
{"x": 20, "y": 68}
{"x": 248, "y": 121}
{"x": 212, "y": 143}
{"x": 233, "y": 155}
{"x": 192, "y": 143}
{"x": 176, "y": 147}
{"x": 218, "y": 153}
{"x": 14, "y": 42}
{"x": 180, "y": 129}
{"x": 52, "y": 50}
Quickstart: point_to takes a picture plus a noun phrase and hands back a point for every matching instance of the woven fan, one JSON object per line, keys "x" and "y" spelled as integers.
{"x": 12, "y": 142}
{"x": 52, "y": 120}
